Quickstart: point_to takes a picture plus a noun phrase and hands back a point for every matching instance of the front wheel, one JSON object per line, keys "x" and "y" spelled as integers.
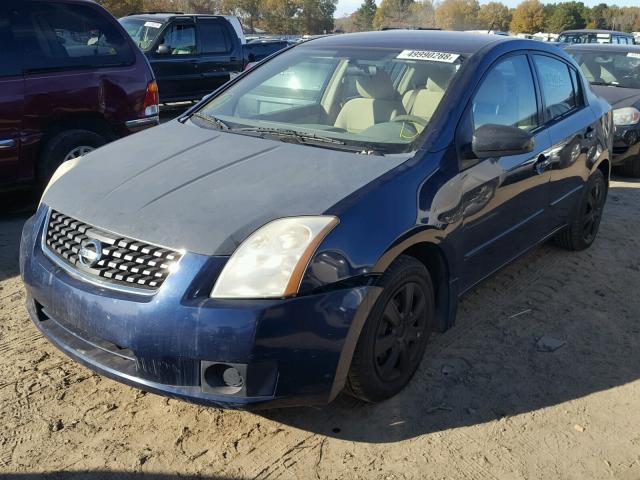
{"x": 395, "y": 335}
{"x": 584, "y": 225}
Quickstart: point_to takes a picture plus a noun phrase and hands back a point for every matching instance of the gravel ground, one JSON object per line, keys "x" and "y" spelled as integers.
{"x": 486, "y": 402}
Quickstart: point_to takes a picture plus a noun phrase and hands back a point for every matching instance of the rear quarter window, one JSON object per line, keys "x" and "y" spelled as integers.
{"x": 214, "y": 38}
{"x": 62, "y": 35}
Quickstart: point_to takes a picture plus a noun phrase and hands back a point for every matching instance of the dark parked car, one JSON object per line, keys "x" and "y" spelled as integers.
{"x": 596, "y": 36}
{"x": 71, "y": 80}
{"x": 614, "y": 74}
{"x": 290, "y": 236}
{"x": 192, "y": 55}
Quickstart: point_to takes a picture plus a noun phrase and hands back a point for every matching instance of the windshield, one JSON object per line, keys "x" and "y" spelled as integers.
{"x": 375, "y": 100}
{"x": 585, "y": 38}
{"x": 143, "y": 32}
{"x": 620, "y": 69}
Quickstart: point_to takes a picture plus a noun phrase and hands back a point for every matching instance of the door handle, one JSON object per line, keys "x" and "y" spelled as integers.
{"x": 7, "y": 143}
{"x": 542, "y": 164}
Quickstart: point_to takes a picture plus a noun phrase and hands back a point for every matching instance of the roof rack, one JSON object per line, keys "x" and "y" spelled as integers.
{"x": 154, "y": 13}
{"x": 385, "y": 28}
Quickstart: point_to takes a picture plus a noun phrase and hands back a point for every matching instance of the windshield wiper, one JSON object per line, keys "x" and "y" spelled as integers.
{"x": 212, "y": 120}
{"x": 301, "y": 137}
{"x": 306, "y": 139}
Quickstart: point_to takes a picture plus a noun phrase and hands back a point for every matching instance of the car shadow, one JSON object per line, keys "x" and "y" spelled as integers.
{"x": 15, "y": 209}
{"x": 107, "y": 475}
{"x": 493, "y": 365}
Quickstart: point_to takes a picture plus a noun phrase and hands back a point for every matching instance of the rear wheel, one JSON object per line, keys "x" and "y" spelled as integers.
{"x": 583, "y": 227}
{"x": 630, "y": 168}
{"x": 394, "y": 338}
{"x": 66, "y": 146}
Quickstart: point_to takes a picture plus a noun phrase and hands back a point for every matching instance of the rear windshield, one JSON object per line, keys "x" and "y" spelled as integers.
{"x": 585, "y": 38}
{"x": 617, "y": 69}
{"x": 143, "y": 32}
{"x": 63, "y": 35}
{"x": 375, "y": 99}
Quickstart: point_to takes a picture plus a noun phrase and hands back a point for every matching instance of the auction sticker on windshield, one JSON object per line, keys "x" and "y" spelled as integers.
{"x": 633, "y": 55}
{"x": 428, "y": 56}
{"x": 152, "y": 24}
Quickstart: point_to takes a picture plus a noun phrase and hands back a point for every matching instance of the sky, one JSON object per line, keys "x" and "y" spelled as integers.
{"x": 346, "y": 7}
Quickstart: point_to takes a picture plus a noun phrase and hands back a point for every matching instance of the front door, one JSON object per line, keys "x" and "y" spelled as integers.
{"x": 504, "y": 199}
{"x": 11, "y": 101}
{"x": 175, "y": 62}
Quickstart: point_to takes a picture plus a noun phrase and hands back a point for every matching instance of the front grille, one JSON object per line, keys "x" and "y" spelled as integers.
{"x": 121, "y": 261}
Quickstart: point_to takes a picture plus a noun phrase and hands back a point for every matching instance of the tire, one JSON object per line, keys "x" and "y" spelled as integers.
{"x": 583, "y": 227}
{"x": 630, "y": 168}
{"x": 62, "y": 147}
{"x": 393, "y": 339}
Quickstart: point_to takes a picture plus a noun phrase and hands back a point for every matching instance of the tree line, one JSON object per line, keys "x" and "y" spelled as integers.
{"x": 289, "y": 17}
{"x": 297, "y": 17}
{"x": 530, "y": 16}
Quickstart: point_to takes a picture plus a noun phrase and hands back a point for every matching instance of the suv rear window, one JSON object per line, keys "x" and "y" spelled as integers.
{"x": 66, "y": 36}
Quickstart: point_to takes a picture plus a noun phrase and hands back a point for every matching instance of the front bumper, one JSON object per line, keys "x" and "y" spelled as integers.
{"x": 626, "y": 143}
{"x": 291, "y": 352}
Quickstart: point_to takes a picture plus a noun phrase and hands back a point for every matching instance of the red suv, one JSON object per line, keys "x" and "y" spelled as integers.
{"x": 71, "y": 80}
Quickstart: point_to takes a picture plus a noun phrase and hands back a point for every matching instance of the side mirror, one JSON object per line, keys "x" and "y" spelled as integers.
{"x": 493, "y": 140}
{"x": 163, "y": 50}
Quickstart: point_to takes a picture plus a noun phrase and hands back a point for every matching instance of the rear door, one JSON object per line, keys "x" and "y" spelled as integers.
{"x": 220, "y": 53}
{"x": 572, "y": 128}
{"x": 11, "y": 100}
{"x": 504, "y": 199}
{"x": 177, "y": 71}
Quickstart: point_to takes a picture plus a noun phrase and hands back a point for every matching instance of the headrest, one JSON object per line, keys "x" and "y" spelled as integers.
{"x": 378, "y": 86}
{"x": 439, "y": 79}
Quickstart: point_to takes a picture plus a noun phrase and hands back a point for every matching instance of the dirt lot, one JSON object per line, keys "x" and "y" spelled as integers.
{"x": 484, "y": 404}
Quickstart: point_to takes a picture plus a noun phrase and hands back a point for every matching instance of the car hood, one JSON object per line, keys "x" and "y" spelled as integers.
{"x": 618, "y": 97}
{"x": 185, "y": 187}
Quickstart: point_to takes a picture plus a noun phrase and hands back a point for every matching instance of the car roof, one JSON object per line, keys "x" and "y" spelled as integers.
{"x": 443, "y": 41}
{"x": 595, "y": 30}
{"x": 603, "y": 47}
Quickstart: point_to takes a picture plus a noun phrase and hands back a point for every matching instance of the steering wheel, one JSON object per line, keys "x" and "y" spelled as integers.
{"x": 411, "y": 119}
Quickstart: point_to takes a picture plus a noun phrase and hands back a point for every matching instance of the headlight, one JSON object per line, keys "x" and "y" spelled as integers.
{"x": 626, "y": 116}
{"x": 60, "y": 171}
{"x": 271, "y": 262}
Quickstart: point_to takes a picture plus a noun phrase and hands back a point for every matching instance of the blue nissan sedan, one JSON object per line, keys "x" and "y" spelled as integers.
{"x": 306, "y": 228}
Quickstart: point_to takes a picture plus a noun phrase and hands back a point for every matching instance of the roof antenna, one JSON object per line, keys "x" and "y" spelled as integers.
{"x": 491, "y": 26}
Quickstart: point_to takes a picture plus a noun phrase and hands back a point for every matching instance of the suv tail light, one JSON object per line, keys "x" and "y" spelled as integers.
{"x": 151, "y": 100}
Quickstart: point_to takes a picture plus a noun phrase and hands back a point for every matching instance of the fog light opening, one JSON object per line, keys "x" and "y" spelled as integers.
{"x": 224, "y": 378}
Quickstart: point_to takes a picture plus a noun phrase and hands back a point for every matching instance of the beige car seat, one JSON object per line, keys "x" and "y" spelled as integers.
{"x": 379, "y": 103}
{"x": 423, "y": 102}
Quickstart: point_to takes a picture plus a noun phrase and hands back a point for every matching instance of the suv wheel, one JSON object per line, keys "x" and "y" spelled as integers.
{"x": 65, "y": 146}
{"x": 583, "y": 227}
{"x": 395, "y": 335}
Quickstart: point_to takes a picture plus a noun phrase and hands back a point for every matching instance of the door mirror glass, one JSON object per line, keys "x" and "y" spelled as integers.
{"x": 163, "y": 50}
{"x": 493, "y": 140}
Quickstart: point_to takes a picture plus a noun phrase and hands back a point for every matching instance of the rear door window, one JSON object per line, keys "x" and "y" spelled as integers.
{"x": 557, "y": 86}
{"x": 214, "y": 38}
{"x": 62, "y": 35}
